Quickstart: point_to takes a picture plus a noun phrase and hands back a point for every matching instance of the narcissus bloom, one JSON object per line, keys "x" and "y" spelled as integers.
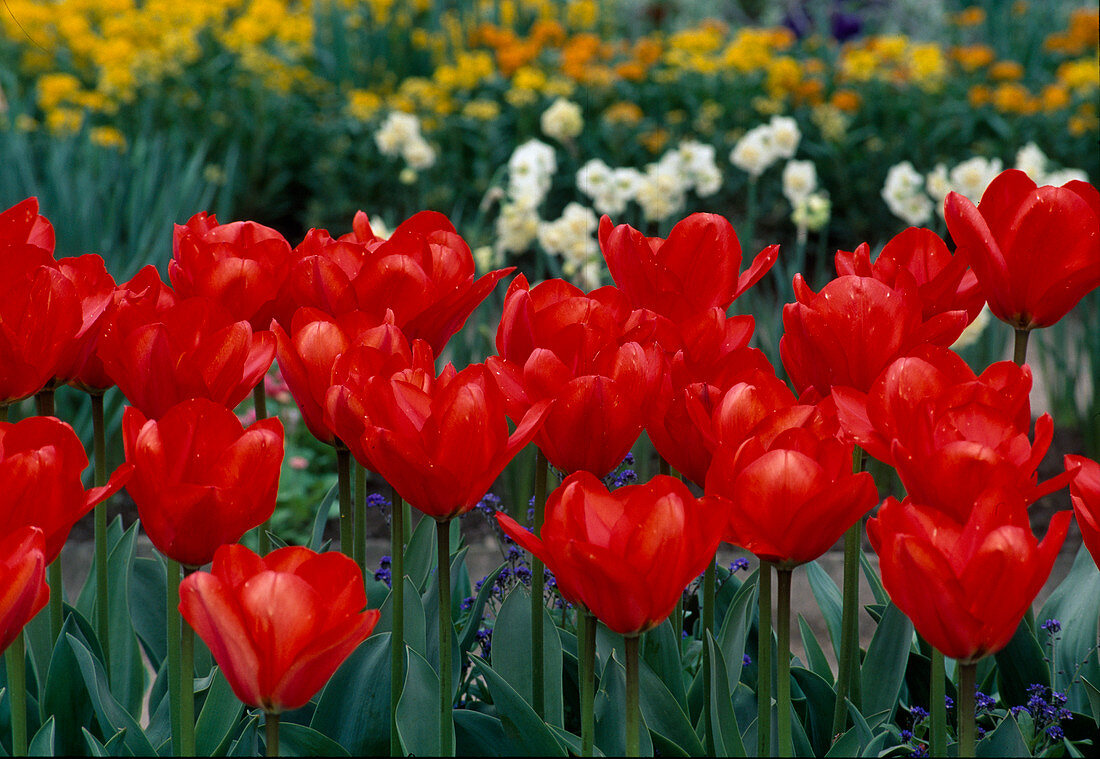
{"x": 41, "y": 461}
{"x": 23, "y": 588}
{"x": 965, "y": 585}
{"x": 697, "y": 268}
{"x": 1084, "y": 491}
{"x": 1035, "y": 250}
{"x": 626, "y": 555}
{"x": 242, "y": 265}
{"x": 278, "y": 626}
{"x": 201, "y": 479}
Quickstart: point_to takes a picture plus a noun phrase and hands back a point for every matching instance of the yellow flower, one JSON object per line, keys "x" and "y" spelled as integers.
{"x": 1054, "y": 97}
{"x": 581, "y": 14}
{"x": 972, "y": 57}
{"x": 1006, "y": 71}
{"x": 831, "y": 121}
{"x": 767, "y": 106}
{"x": 972, "y": 16}
{"x": 1081, "y": 74}
{"x": 107, "y": 137}
{"x": 519, "y": 98}
{"x": 528, "y": 78}
{"x": 363, "y": 104}
{"x": 55, "y": 89}
{"x": 1085, "y": 120}
{"x": 481, "y": 110}
{"x": 848, "y": 101}
{"x": 654, "y": 140}
{"x": 623, "y": 112}
{"x": 979, "y": 95}
{"x": 1012, "y": 97}
{"x": 858, "y": 64}
{"x": 63, "y": 121}
{"x": 784, "y": 76}
{"x": 927, "y": 64}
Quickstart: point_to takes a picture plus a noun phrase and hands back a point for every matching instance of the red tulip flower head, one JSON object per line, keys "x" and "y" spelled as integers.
{"x": 626, "y": 555}
{"x": 1035, "y": 250}
{"x": 1084, "y": 491}
{"x": 242, "y": 265}
{"x": 95, "y": 288}
{"x": 41, "y": 461}
{"x": 23, "y": 588}
{"x": 200, "y": 479}
{"x": 965, "y": 585}
{"x": 278, "y": 626}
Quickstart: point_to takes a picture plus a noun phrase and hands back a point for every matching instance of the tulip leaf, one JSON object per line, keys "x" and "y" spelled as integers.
{"x": 661, "y": 651}
{"x": 846, "y": 745}
{"x": 108, "y": 711}
{"x": 877, "y": 589}
{"x": 1005, "y": 740}
{"x": 478, "y": 734}
{"x": 477, "y": 611}
{"x": 221, "y": 713}
{"x": 420, "y": 553}
{"x": 572, "y": 743}
{"x": 95, "y": 748}
{"x": 883, "y": 671}
{"x": 829, "y": 600}
{"x": 85, "y": 602}
{"x": 43, "y": 742}
{"x": 610, "y": 716}
{"x": 415, "y": 621}
{"x": 64, "y": 695}
{"x": 248, "y": 744}
{"x": 512, "y": 651}
{"x": 727, "y": 734}
{"x": 1019, "y": 665}
{"x": 815, "y": 709}
{"x": 665, "y": 717}
{"x": 320, "y": 521}
{"x": 418, "y": 708}
{"x": 1074, "y": 604}
{"x": 529, "y": 734}
{"x": 734, "y": 632}
{"x": 147, "y": 608}
{"x": 354, "y": 707}
{"x": 815, "y": 656}
{"x": 299, "y": 740}
{"x": 1094, "y": 699}
{"x": 127, "y": 671}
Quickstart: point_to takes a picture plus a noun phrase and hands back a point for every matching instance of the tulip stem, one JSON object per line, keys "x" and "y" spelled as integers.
{"x": 271, "y": 730}
{"x": 848, "y": 666}
{"x": 16, "y": 656}
{"x": 443, "y": 574}
{"x": 187, "y": 689}
{"x": 538, "y": 603}
{"x": 588, "y": 682}
{"x": 360, "y": 531}
{"x": 343, "y": 483}
{"x": 937, "y": 707}
{"x": 967, "y": 675}
{"x": 783, "y": 664}
{"x": 397, "y": 607}
{"x": 678, "y": 619}
{"x": 259, "y": 403}
{"x": 1019, "y": 348}
{"x": 99, "y": 447}
{"x": 708, "y": 627}
{"x": 633, "y": 713}
{"x": 172, "y": 601}
{"x": 764, "y": 662}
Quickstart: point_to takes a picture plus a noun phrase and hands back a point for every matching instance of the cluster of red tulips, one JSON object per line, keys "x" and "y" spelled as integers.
{"x": 356, "y": 324}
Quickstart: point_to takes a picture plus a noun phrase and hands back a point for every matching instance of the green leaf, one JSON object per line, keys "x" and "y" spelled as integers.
{"x": 43, "y": 742}
{"x": 877, "y": 590}
{"x": 727, "y": 734}
{"x": 520, "y": 724}
{"x": 431, "y": 625}
{"x": 829, "y": 600}
{"x": 846, "y": 745}
{"x": 420, "y": 553}
{"x": 220, "y": 715}
{"x": 469, "y": 632}
{"x": 95, "y": 748}
{"x": 883, "y": 670}
{"x": 147, "y": 608}
{"x": 299, "y": 740}
{"x": 248, "y": 744}
{"x": 609, "y": 711}
{"x": 733, "y": 635}
{"x": 64, "y": 695}
{"x": 815, "y": 710}
{"x": 661, "y": 653}
{"x": 127, "y": 669}
{"x": 415, "y": 621}
{"x": 1074, "y": 604}
{"x": 664, "y": 716}
{"x": 1005, "y": 740}
{"x": 108, "y": 711}
{"x": 819, "y": 665}
{"x": 418, "y": 708}
{"x": 1019, "y": 664}
{"x": 354, "y": 707}
{"x": 511, "y": 653}
{"x": 572, "y": 743}
{"x": 478, "y": 734}
{"x": 317, "y": 534}
{"x": 1094, "y": 699}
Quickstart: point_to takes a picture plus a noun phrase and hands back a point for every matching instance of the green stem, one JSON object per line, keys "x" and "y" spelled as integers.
{"x": 187, "y": 688}
{"x": 443, "y": 538}
{"x": 967, "y": 675}
{"x": 99, "y": 446}
{"x": 359, "y": 549}
{"x": 764, "y": 663}
{"x": 172, "y": 600}
{"x": 663, "y": 467}
{"x": 538, "y": 603}
{"x": 44, "y": 403}
{"x": 343, "y": 480}
{"x": 783, "y": 673}
{"x": 406, "y": 512}
{"x": 57, "y": 598}
{"x": 937, "y": 707}
{"x": 259, "y": 403}
{"x": 848, "y": 666}
{"x": 397, "y": 592}
{"x": 678, "y": 619}
{"x": 271, "y": 729}
{"x": 708, "y": 627}
{"x": 588, "y": 682}
{"x": 16, "y": 656}
{"x": 1019, "y": 348}
{"x": 633, "y": 713}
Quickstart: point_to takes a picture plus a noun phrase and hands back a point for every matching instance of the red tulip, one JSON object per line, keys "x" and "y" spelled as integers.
{"x": 322, "y": 271}
{"x": 591, "y": 356}
{"x": 789, "y": 498}
{"x": 695, "y": 269}
{"x": 23, "y": 588}
{"x": 626, "y": 555}
{"x": 95, "y": 288}
{"x": 1084, "y": 491}
{"x": 851, "y": 330}
{"x": 1035, "y": 250}
{"x": 242, "y": 265}
{"x": 160, "y": 356}
{"x": 278, "y": 626}
{"x": 41, "y": 461}
{"x": 200, "y": 479}
{"x": 965, "y": 585}
{"x": 442, "y": 446}
{"x": 22, "y": 227}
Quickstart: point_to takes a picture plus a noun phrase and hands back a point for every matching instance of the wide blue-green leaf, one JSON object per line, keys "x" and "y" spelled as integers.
{"x": 109, "y": 712}
{"x": 734, "y": 631}
{"x": 661, "y": 653}
{"x": 420, "y": 553}
{"x": 1094, "y": 699}
{"x": 727, "y": 733}
{"x": 829, "y": 600}
{"x": 511, "y": 653}
{"x": 478, "y": 734}
{"x": 665, "y": 717}
{"x": 65, "y": 696}
{"x": 418, "y": 708}
{"x": 415, "y": 622}
{"x": 468, "y": 634}
{"x": 1019, "y": 665}
{"x": 354, "y": 707}
{"x": 147, "y": 608}
{"x": 430, "y": 601}
{"x": 609, "y": 711}
{"x": 883, "y": 670}
{"x": 127, "y": 671}
{"x": 85, "y": 601}
{"x": 815, "y": 656}
{"x": 43, "y": 742}
{"x": 1005, "y": 740}
{"x": 521, "y": 725}
{"x": 220, "y": 715}
{"x": 299, "y": 740}
{"x": 877, "y": 590}
{"x": 815, "y": 709}
{"x": 1074, "y": 604}
{"x": 320, "y": 520}
{"x": 248, "y": 743}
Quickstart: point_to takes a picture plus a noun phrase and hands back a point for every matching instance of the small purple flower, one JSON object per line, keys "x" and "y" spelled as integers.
{"x": 746, "y": 660}
{"x": 738, "y": 564}
{"x": 918, "y": 714}
{"x": 1052, "y": 626}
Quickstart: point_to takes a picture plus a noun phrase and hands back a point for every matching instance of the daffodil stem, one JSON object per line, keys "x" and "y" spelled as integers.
{"x": 271, "y": 730}
{"x": 44, "y": 406}
{"x": 397, "y": 591}
{"x": 443, "y": 536}
{"x": 259, "y": 403}
{"x": 175, "y": 658}
{"x": 764, "y": 662}
{"x": 783, "y": 663}
{"x": 187, "y": 688}
{"x": 708, "y": 627}
{"x": 538, "y": 663}
{"x": 633, "y": 713}
{"x": 967, "y": 676}
{"x": 16, "y": 656}
{"x": 359, "y": 549}
{"x": 937, "y": 707}
{"x": 343, "y": 485}
{"x": 848, "y": 666}
{"x": 99, "y": 447}
{"x": 1019, "y": 348}
{"x": 588, "y": 681}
